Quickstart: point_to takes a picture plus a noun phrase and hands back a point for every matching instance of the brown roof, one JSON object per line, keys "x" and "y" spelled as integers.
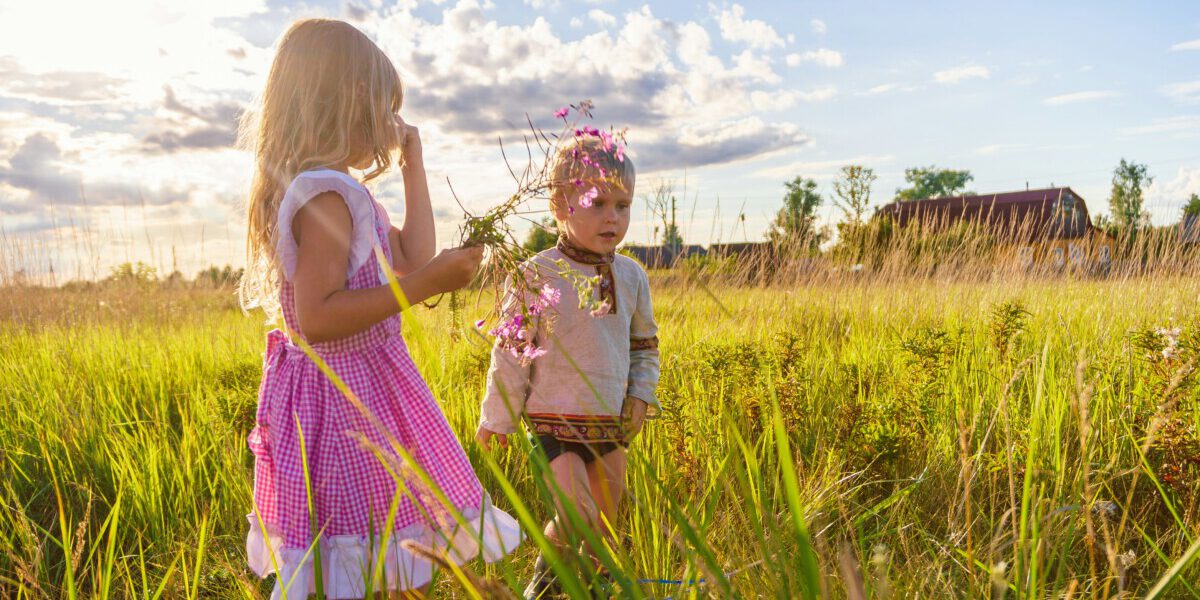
{"x": 738, "y": 248}
{"x": 1058, "y": 213}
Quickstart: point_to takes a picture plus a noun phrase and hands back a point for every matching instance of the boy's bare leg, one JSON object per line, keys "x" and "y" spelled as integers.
{"x": 606, "y": 478}
{"x": 571, "y": 478}
{"x": 568, "y": 484}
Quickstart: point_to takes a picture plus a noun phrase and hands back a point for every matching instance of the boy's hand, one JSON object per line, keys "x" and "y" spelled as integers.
{"x": 634, "y": 416}
{"x": 484, "y": 437}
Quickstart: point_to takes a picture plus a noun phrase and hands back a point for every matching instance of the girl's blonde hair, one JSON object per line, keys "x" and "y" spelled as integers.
{"x": 329, "y": 84}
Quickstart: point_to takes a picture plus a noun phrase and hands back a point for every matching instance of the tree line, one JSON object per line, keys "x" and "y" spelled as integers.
{"x": 795, "y": 227}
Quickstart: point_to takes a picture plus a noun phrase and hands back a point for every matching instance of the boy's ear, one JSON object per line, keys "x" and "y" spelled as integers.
{"x": 558, "y": 206}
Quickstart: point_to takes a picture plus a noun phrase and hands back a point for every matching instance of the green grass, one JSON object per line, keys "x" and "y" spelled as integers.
{"x": 911, "y": 439}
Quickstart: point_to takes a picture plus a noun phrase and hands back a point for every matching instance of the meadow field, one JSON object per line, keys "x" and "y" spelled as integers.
{"x": 853, "y": 437}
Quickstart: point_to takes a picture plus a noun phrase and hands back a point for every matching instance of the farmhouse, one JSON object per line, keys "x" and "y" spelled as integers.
{"x": 661, "y": 257}
{"x": 744, "y": 251}
{"x": 1047, "y": 228}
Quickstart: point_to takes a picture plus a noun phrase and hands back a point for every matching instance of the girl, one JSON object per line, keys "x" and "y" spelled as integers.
{"x": 332, "y": 469}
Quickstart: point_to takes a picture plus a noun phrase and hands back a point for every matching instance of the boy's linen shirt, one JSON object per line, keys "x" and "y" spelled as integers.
{"x": 578, "y": 388}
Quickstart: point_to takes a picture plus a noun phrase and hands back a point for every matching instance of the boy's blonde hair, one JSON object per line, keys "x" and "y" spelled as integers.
{"x": 568, "y": 167}
{"x": 327, "y": 82}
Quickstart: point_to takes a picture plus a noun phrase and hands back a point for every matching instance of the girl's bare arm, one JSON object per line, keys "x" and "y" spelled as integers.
{"x": 325, "y": 308}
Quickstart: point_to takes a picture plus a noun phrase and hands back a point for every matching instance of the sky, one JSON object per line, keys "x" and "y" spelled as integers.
{"x": 118, "y": 119}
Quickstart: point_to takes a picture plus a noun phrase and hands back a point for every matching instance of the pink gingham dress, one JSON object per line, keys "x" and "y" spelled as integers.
{"x": 355, "y": 474}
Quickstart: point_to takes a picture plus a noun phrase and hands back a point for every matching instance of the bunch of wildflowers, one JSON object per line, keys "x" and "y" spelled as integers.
{"x": 1170, "y": 339}
{"x": 531, "y": 295}
{"x": 585, "y": 287}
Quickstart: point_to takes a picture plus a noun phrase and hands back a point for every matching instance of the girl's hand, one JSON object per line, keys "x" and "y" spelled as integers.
{"x": 634, "y": 416}
{"x": 484, "y": 437}
{"x": 410, "y": 142}
{"x": 454, "y": 268}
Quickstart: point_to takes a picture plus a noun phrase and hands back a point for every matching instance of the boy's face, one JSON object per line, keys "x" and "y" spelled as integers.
{"x": 601, "y": 227}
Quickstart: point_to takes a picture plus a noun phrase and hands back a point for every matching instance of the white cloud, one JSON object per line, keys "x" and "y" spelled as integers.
{"x": 1182, "y": 126}
{"x": 1186, "y": 92}
{"x": 576, "y": 22}
{"x": 886, "y": 88}
{"x": 754, "y": 68}
{"x": 958, "y": 74}
{"x": 51, "y": 174}
{"x": 994, "y": 149}
{"x": 150, "y": 43}
{"x": 602, "y": 18}
{"x": 818, "y": 26}
{"x": 113, "y": 127}
{"x": 713, "y": 143}
{"x": 1072, "y": 98}
{"x": 822, "y": 169}
{"x": 772, "y": 101}
{"x": 818, "y": 95}
{"x": 473, "y": 79}
{"x": 1165, "y": 198}
{"x": 753, "y": 33}
{"x": 822, "y": 56}
{"x": 1189, "y": 45}
{"x": 783, "y": 100}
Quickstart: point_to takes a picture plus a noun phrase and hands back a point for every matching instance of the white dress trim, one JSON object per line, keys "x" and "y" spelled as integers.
{"x": 346, "y": 558}
{"x": 310, "y": 184}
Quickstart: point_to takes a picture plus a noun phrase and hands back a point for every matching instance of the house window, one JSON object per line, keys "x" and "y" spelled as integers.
{"x": 1059, "y": 257}
{"x": 1075, "y": 252}
{"x": 1105, "y": 258}
{"x": 1025, "y": 256}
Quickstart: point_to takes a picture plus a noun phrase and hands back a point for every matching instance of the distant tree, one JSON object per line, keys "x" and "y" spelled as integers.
{"x": 662, "y": 206}
{"x": 1125, "y": 201}
{"x": 542, "y": 235}
{"x": 215, "y": 276}
{"x": 1192, "y": 208}
{"x": 138, "y": 273}
{"x": 932, "y": 182}
{"x": 853, "y": 191}
{"x": 793, "y": 227}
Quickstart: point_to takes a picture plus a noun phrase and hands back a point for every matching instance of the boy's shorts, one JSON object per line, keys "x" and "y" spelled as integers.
{"x": 588, "y": 451}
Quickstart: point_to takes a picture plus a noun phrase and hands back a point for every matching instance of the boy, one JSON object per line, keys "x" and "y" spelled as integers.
{"x": 589, "y": 395}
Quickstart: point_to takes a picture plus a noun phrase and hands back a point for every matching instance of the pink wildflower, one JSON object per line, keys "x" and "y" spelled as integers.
{"x": 532, "y": 352}
{"x": 562, "y": 113}
{"x": 585, "y": 200}
{"x": 551, "y": 295}
{"x": 602, "y": 309}
{"x": 537, "y": 306}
